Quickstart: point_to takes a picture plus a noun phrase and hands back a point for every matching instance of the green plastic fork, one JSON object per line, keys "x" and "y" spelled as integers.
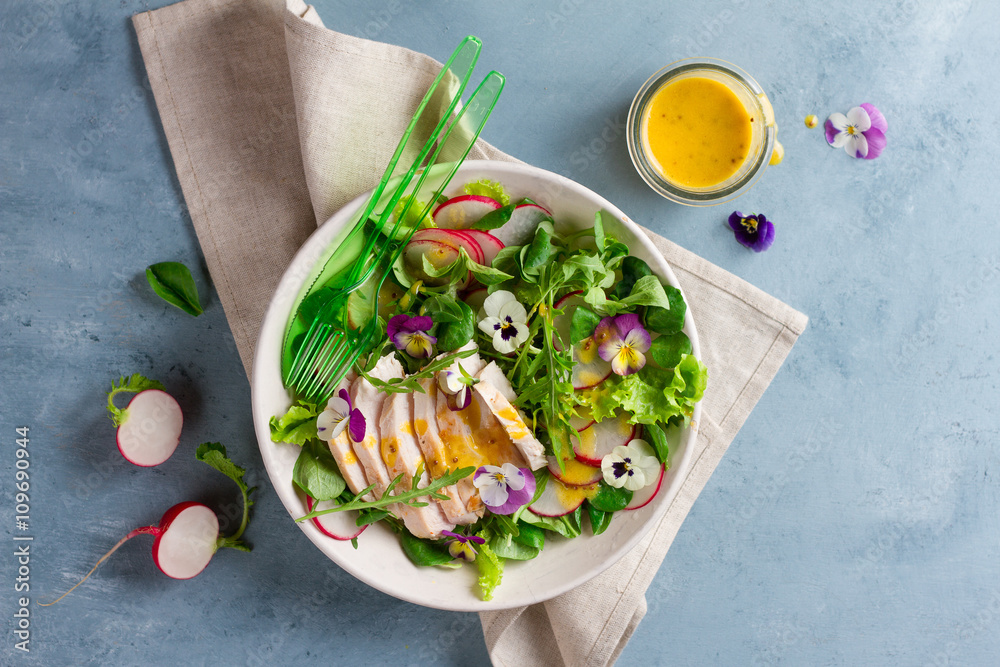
{"x": 340, "y": 270}
{"x": 339, "y": 335}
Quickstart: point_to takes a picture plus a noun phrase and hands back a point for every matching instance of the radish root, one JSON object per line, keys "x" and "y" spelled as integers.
{"x": 148, "y": 530}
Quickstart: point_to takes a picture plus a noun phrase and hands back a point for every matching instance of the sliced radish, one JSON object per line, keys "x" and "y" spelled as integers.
{"x": 438, "y": 254}
{"x": 475, "y": 299}
{"x": 490, "y": 244}
{"x": 558, "y": 499}
{"x": 452, "y": 237}
{"x": 589, "y": 369}
{"x": 582, "y": 420}
{"x": 596, "y": 441}
{"x": 338, "y": 525}
{"x": 460, "y": 212}
{"x": 642, "y": 497}
{"x": 187, "y": 540}
{"x": 522, "y": 224}
{"x": 151, "y": 428}
{"x": 574, "y": 472}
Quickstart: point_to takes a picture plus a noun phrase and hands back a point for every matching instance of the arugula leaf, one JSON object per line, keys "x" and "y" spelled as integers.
{"x": 487, "y": 188}
{"x": 667, "y": 351}
{"x": 297, "y": 426}
{"x": 658, "y": 439}
{"x": 422, "y": 552}
{"x": 609, "y": 498}
{"x": 411, "y": 383}
{"x": 667, "y": 321}
{"x": 494, "y": 219}
{"x": 133, "y": 385}
{"x": 173, "y": 283}
{"x": 316, "y": 472}
{"x": 214, "y": 454}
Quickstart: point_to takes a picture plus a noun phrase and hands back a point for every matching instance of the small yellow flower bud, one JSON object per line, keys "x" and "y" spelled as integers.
{"x": 812, "y": 121}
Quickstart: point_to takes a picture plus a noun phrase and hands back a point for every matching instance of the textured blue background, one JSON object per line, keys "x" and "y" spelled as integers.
{"x": 854, "y": 519}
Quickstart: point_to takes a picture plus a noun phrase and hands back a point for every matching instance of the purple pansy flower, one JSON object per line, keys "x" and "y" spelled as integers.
{"x": 409, "y": 334}
{"x": 861, "y": 132}
{"x": 456, "y": 387}
{"x": 506, "y": 488}
{"x": 460, "y": 546}
{"x": 753, "y": 231}
{"x": 622, "y": 340}
{"x": 338, "y": 415}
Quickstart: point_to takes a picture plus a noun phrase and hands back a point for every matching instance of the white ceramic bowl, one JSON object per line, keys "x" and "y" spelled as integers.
{"x": 379, "y": 561}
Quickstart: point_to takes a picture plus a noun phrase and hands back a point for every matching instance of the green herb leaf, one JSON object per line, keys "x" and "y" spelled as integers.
{"x": 664, "y": 321}
{"x": 316, "y": 472}
{"x": 494, "y": 219}
{"x": 424, "y": 553}
{"x": 667, "y": 351}
{"x": 487, "y": 188}
{"x": 599, "y": 520}
{"x": 647, "y": 291}
{"x": 610, "y": 499}
{"x": 443, "y": 308}
{"x": 133, "y": 385}
{"x": 214, "y": 454}
{"x": 558, "y": 525}
{"x": 599, "y": 238}
{"x": 505, "y": 547}
{"x": 538, "y": 253}
{"x": 172, "y": 281}
{"x": 582, "y": 324}
{"x": 655, "y": 436}
{"x": 453, "y": 335}
{"x": 529, "y": 535}
{"x": 297, "y": 426}
{"x": 633, "y": 269}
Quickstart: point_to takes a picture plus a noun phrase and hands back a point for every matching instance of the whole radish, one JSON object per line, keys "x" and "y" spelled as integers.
{"x": 150, "y": 427}
{"x": 187, "y": 535}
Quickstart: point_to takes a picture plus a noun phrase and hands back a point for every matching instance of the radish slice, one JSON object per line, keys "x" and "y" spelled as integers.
{"x": 338, "y": 525}
{"x": 475, "y": 299}
{"x": 461, "y": 212}
{"x": 558, "y": 499}
{"x": 522, "y": 224}
{"x": 467, "y": 241}
{"x": 582, "y": 421}
{"x": 642, "y": 497}
{"x": 151, "y": 429}
{"x": 490, "y": 244}
{"x": 589, "y": 370}
{"x": 438, "y": 254}
{"x": 575, "y": 473}
{"x": 597, "y": 441}
{"x": 187, "y": 541}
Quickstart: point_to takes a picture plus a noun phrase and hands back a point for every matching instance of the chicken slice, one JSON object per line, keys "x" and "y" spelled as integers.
{"x": 402, "y": 456}
{"x": 343, "y": 452}
{"x": 429, "y": 439}
{"x": 492, "y": 380}
{"x": 370, "y": 401}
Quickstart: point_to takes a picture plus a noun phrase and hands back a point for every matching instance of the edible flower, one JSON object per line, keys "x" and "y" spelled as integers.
{"x": 753, "y": 231}
{"x": 459, "y": 546}
{"x": 504, "y": 488}
{"x": 861, "y": 132}
{"x": 633, "y": 466}
{"x": 622, "y": 340}
{"x": 338, "y": 415}
{"x": 456, "y": 386}
{"x": 506, "y": 320}
{"x": 409, "y": 334}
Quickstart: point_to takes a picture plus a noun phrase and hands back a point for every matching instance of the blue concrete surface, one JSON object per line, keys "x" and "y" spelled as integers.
{"x": 854, "y": 520}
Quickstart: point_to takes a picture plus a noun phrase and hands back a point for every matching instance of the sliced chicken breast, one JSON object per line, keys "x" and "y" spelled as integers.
{"x": 508, "y": 416}
{"x": 344, "y": 454}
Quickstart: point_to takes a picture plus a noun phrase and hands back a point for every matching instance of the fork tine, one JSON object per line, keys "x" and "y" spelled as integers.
{"x": 320, "y": 365}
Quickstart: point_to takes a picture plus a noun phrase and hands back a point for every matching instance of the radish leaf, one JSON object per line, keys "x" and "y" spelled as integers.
{"x": 133, "y": 385}
{"x": 214, "y": 454}
{"x": 173, "y": 283}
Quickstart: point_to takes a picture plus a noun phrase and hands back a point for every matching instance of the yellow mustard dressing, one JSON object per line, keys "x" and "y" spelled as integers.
{"x": 490, "y": 443}
{"x": 572, "y": 495}
{"x": 697, "y": 131}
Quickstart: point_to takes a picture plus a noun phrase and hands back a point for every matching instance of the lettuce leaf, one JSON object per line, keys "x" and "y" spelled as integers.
{"x": 297, "y": 426}
{"x": 490, "y": 570}
{"x": 488, "y": 188}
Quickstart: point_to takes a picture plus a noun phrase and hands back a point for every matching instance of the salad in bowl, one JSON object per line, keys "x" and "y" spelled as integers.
{"x": 523, "y": 417}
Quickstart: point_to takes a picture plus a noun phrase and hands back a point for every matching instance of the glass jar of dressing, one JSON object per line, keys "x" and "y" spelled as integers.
{"x": 701, "y": 131}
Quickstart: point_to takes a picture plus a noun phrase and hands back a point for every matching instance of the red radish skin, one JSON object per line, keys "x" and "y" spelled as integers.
{"x": 490, "y": 244}
{"x": 461, "y": 212}
{"x": 438, "y": 254}
{"x": 338, "y": 525}
{"x": 151, "y": 429}
{"x": 558, "y": 499}
{"x": 522, "y": 224}
{"x": 598, "y": 440}
{"x": 645, "y": 495}
{"x": 186, "y": 539}
{"x": 454, "y": 238}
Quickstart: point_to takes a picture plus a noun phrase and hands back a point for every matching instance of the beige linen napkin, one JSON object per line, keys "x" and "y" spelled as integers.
{"x": 274, "y": 122}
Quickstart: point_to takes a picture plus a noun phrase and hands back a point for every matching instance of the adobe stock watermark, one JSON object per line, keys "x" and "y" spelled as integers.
{"x": 22, "y": 540}
{"x": 974, "y": 625}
